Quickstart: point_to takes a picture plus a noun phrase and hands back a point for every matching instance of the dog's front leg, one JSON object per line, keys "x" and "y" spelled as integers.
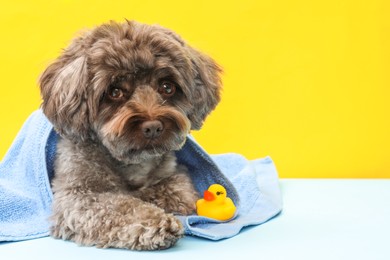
{"x": 175, "y": 194}
{"x": 113, "y": 220}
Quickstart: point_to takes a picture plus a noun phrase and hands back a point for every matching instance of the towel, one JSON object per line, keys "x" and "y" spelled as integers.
{"x": 27, "y": 169}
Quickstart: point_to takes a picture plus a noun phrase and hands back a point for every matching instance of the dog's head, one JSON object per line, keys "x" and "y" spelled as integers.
{"x": 138, "y": 89}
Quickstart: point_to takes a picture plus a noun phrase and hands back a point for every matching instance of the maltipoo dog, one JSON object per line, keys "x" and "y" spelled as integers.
{"x": 123, "y": 98}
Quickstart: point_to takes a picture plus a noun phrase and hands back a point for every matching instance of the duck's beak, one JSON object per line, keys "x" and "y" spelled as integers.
{"x": 208, "y": 196}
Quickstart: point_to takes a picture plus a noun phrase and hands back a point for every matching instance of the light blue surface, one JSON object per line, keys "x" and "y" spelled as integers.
{"x": 321, "y": 219}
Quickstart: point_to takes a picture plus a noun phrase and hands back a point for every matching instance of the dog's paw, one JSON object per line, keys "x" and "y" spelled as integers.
{"x": 168, "y": 232}
{"x": 158, "y": 234}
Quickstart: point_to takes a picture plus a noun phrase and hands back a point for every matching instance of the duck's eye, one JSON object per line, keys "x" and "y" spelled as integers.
{"x": 167, "y": 89}
{"x": 219, "y": 193}
{"x": 115, "y": 93}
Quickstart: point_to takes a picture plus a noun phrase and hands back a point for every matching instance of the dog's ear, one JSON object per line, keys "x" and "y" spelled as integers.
{"x": 63, "y": 88}
{"x": 207, "y": 87}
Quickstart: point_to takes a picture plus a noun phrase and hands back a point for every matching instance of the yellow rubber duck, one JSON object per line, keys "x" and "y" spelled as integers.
{"x": 215, "y": 204}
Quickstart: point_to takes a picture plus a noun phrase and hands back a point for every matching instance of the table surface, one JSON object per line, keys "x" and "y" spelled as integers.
{"x": 321, "y": 219}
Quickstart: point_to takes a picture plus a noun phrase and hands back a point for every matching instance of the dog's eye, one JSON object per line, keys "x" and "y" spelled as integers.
{"x": 115, "y": 93}
{"x": 167, "y": 89}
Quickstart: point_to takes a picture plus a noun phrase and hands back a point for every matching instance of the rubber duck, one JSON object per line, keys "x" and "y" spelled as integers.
{"x": 215, "y": 204}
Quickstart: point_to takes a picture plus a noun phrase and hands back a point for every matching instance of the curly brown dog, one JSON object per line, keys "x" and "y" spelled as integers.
{"x": 123, "y": 97}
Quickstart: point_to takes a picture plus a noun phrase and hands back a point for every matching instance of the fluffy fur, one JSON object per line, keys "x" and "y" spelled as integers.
{"x": 123, "y": 97}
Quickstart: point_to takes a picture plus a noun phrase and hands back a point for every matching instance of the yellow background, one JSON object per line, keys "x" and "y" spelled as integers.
{"x": 306, "y": 82}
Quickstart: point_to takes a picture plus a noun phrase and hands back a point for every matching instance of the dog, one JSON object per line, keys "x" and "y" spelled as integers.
{"x": 123, "y": 97}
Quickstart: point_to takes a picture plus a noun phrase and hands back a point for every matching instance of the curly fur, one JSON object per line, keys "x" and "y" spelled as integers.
{"x": 115, "y": 185}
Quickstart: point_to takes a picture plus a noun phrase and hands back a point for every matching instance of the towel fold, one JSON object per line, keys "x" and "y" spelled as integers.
{"x": 27, "y": 168}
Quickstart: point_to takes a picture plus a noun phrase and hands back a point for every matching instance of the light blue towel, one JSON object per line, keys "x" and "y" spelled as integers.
{"x": 27, "y": 168}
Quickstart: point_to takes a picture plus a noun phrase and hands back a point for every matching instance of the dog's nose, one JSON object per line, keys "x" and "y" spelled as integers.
{"x": 152, "y": 129}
